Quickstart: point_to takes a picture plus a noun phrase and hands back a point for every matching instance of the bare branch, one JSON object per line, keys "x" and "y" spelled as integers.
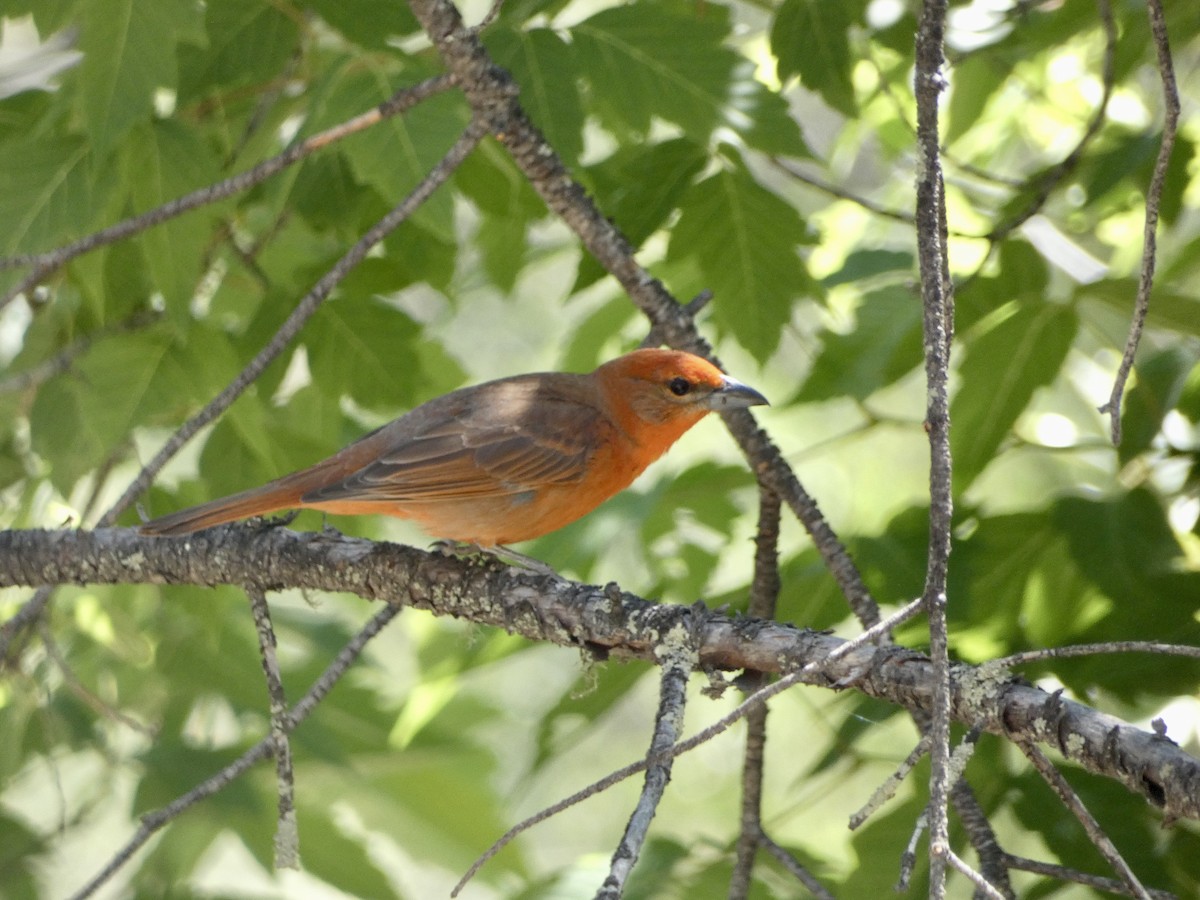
{"x": 764, "y": 592}
{"x": 938, "y": 329}
{"x": 287, "y": 836}
{"x": 1063, "y": 873}
{"x": 1166, "y": 71}
{"x": 552, "y": 609}
{"x": 677, "y": 656}
{"x": 1028, "y": 656}
{"x": 992, "y": 857}
{"x": 983, "y": 887}
{"x": 754, "y": 701}
{"x": 887, "y": 790}
{"x": 26, "y": 617}
{"x": 1095, "y": 833}
{"x": 798, "y": 871}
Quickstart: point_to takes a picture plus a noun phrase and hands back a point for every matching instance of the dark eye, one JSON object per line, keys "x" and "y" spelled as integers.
{"x": 679, "y": 386}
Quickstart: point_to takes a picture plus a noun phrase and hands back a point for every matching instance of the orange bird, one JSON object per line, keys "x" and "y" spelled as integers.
{"x": 505, "y": 461}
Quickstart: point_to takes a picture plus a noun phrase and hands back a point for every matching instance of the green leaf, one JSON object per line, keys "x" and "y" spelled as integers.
{"x": 48, "y": 195}
{"x": 128, "y": 54}
{"x": 436, "y": 802}
{"x": 1015, "y": 585}
{"x": 644, "y": 62}
{"x": 1020, "y": 272}
{"x": 328, "y": 196}
{"x": 368, "y": 23}
{"x": 165, "y": 161}
{"x": 74, "y": 432}
{"x": 248, "y": 42}
{"x": 861, "y": 265}
{"x": 374, "y": 338}
{"x": 19, "y": 847}
{"x": 1005, "y": 364}
{"x": 744, "y": 240}
{"x": 810, "y": 39}
{"x": 1126, "y": 167}
{"x": 48, "y": 15}
{"x": 1171, "y": 308}
{"x": 1126, "y": 547}
{"x": 884, "y": 345}
{"x": 976, "y": 79}
{"x": 329, "y": 854}
{"x": 639, "y": 188}
{"x": 393, "y": 155}
{"x": 578, "y": 712}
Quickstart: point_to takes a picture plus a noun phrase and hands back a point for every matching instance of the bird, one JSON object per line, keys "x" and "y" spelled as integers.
{"x": 505, "y": 461}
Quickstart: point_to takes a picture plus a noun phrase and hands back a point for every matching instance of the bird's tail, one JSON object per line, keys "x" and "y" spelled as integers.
{"x": 282, "y": 494}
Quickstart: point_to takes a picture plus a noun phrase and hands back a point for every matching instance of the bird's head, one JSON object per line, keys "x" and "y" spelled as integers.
{"x": 672, "y": 388}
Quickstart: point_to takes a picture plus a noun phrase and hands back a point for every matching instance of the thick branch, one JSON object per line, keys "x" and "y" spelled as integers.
{"x": 548, "y": 608}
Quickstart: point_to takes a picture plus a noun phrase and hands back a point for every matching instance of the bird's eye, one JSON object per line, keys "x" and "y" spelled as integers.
{"x": 679, "y": 386}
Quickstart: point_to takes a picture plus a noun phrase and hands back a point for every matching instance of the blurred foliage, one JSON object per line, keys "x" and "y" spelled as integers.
{"x": 687, "y": 122}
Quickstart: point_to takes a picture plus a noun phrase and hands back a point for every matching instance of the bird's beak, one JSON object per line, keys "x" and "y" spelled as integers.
{"x": 732, "y": 394}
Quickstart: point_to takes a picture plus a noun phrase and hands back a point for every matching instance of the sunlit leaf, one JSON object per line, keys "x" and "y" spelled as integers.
{"x": 809, "y": 39}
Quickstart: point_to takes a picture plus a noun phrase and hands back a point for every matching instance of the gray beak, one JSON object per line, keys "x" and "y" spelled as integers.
{"x": 732, "y": 394}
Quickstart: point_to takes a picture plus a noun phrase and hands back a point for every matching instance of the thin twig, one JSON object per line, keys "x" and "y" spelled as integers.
{"x": 154, "y": 821}
{"x": 888, "y": 788}
{"x": 1046, "y": 653}
{"x": 983, "y": 887}
{"x": 908, "y": 859}
{"x": 26, "y": 616}
{"x": 983, "y": 838}
{"x": 841, "y": 193}
{"x": 1166, "y": 70}
{"x": 678, "y": 657}
{"x": 655, "y": 338}
{"x": 799, "y": 872}
{"x": 764, "y": 592}
{"x": 287, "y": 835}
{"x": 1095, "y": 832}
{"x": 1063, "y": 873}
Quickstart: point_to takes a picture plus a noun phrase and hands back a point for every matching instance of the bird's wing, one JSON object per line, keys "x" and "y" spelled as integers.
{"x": 482, "y": 450}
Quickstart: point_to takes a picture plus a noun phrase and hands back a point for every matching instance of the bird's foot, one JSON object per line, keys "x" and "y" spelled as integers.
{"x": 496, "y": 551}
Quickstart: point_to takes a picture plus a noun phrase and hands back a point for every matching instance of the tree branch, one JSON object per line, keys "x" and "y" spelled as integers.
{"x": 287, "y": 837}
{"x": 938, "y": 331}
{"x": 551, "y": 609}
{"x": 1166, "y": 71}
